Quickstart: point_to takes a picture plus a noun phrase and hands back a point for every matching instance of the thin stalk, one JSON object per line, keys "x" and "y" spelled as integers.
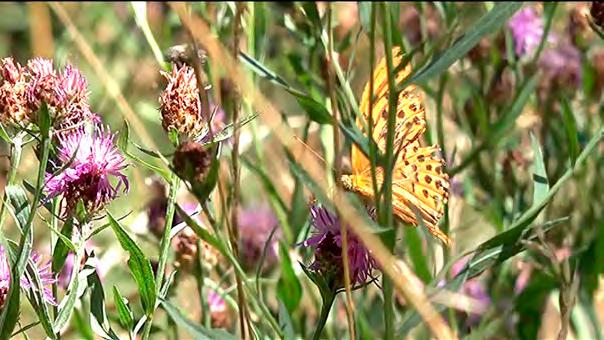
{"x": 386, "y": 217}
{"x": 338, "y": 172}
{"x": 15, "y": 159}
{"x": 164, "y": 246}
{"x": 25, "y": 244}
{"x": 55, "y": 224}
{"x": 325, "y": 309}
{"x": 234, "y": 230}
{"x": 199, "y": 277}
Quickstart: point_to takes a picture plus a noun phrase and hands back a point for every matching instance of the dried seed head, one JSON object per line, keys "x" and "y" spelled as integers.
{"x": 14, "y": 109}
{"x": 597, "y": 13}
{"x": 192, "y": 161}
{"x": 180, "y": 105}
{"x": 185, "y": 246}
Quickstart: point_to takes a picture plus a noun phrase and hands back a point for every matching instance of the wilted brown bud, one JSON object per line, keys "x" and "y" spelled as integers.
{"x": 185, "y": 247}
{"x": 480, "y": 53}
{"x": 598, "y": 65}
{"x": 411, "y": 25}
{"x": 192, "y": 161}
{"x": 597, "y": 13}
{"x": 180, "y": 105}
{"x": 182, "y": 55}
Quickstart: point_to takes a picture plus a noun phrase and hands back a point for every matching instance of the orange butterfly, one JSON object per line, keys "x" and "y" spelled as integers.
{"x": 418, "y": 178}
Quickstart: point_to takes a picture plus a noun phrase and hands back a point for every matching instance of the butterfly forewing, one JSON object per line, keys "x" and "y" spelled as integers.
{"x": 419, "y": 179}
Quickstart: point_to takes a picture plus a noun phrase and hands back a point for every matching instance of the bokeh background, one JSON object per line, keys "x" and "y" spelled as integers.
{"x": 493, "y": 160}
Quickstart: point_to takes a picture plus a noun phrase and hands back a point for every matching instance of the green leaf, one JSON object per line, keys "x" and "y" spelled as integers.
{"x": 316, "y": 111}
{"x": 100, "y": 324}
{"x": 571, "y": 130}
{"x": 36, "y": 297}
{"x": 229, "y": 129}
{"x": 125, "y": 313}
{"x": 540, "y": 181}
{"x": 365, "y": 14}
{"x": 204, "y": 234}
{"x": 193, "y": 328}
{"x": 123, "y": 141}
{"x": 289, "y": 289}
{"x": 140, "y": 266}
{"x": 75, "y": 290}
{"x": 61, "y": 249}
{"x": 508, "y": 119}
{"x": 18, "y": 200}
{"x": 285, "y": 322}
{"x": 12, "y": 311}
{"x": 415, "y": 250}
{"x": 486, "y": 257}
{"x": 487, "y": 24}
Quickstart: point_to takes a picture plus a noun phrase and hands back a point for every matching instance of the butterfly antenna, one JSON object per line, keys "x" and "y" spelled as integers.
{"x": 313, "y": 151}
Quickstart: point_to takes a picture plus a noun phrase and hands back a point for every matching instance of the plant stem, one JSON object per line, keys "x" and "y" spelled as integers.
{"x": 164, "y": 246}
{"x": 325, "y": 309}
{"x": 386, "y": 218}
{"x": 234, "y": 230}
{"x": 16, "y": 148}
{"x": 25, "y": 244}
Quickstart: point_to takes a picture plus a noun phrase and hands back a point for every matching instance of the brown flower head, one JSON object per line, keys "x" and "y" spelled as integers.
{"x": 597, "y": 13}
{"x": 192, "y": 161}
{"x": 180, "y": 105}
{"x": 13, "y": 94}
{"x": 185, "y": 247}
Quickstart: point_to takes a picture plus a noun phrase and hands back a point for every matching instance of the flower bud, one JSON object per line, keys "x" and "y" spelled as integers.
{"x": 192, "y": 161}
{"x": 597, "y": 13}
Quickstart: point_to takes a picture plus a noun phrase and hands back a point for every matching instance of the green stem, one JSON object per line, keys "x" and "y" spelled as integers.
{"x": 25, "y": 244}
{"x": 386, "y": 218}
{"x": 325, "y": 309}
{"x": 164, "y": 246}
{"x": 12, "y": 174}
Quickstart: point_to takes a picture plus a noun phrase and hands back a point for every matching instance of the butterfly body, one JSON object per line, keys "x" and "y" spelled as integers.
{"x": 419, "y": 183}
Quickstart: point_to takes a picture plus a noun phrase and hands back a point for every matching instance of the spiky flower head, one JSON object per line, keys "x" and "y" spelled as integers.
{"x": 327, "y": 244}
{"x": 562, "y": 68}
{"x": 14, "y": 109}
{"x": 180, "y": 105}
{"x": 47, "y": 278}
{"x": 527, "y": 30}
{"x": 90, "y": 161}
{"x": 255, "y": 227}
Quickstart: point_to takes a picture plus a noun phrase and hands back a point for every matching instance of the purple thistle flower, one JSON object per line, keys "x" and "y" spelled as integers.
{"x": 562, "y": 65}
{"x": 255, "y": 227}
{"x": 327, "y": 243}
{"x": 88, "y": 176}
{"x": 43, "y": 268}
{"x": 473, "y": 288}
{"x": 527, "y": 30}
{"x": 4, "y": 276}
